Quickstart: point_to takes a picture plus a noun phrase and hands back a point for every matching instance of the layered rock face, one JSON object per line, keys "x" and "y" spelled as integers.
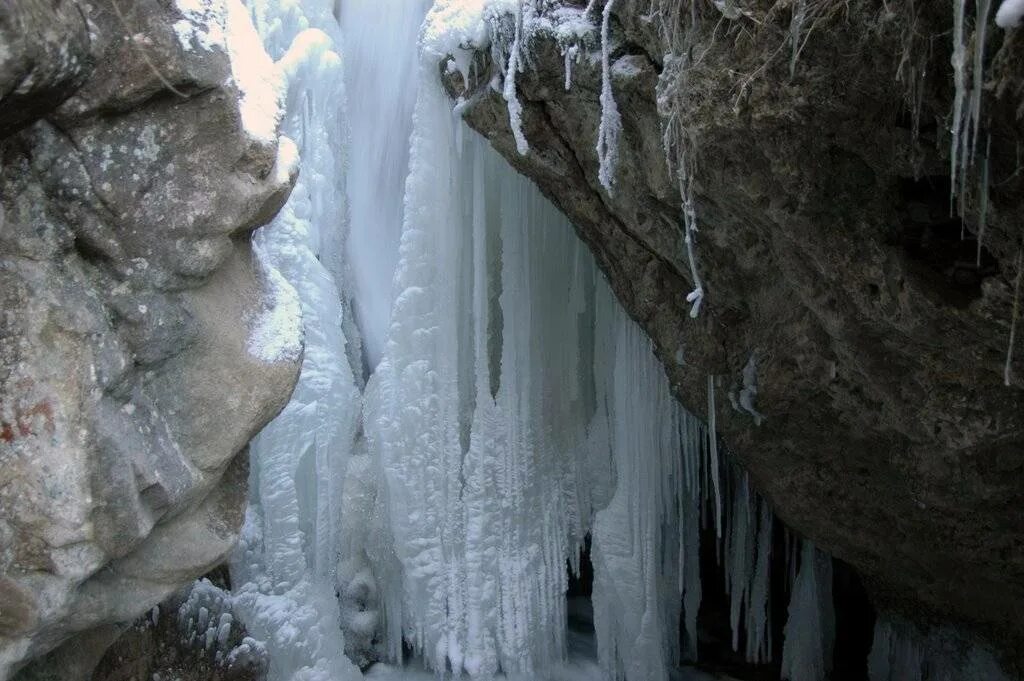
{"x": 857, "y": 343}
{"x": 129, "y": 389}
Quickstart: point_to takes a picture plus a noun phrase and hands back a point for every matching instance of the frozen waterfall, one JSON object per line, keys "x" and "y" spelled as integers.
{"x": 510, "y": 407}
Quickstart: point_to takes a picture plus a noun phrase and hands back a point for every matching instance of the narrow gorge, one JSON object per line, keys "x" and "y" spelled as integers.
{"x": 620, "y": 340}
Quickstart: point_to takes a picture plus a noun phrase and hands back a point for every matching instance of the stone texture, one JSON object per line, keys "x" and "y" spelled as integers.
{"x": 828, "y": 254}
{"x": 127, "y": 286}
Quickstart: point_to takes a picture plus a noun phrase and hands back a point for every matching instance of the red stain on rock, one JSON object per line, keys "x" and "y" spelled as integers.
{"x": 35, "y": 420}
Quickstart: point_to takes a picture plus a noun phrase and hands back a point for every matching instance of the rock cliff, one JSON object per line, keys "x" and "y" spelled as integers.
{"x": 136, "y": 159}
{"x": 856, "y": 335}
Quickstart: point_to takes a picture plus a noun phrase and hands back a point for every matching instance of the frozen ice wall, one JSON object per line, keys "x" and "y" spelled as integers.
{"x": 517, "y": 408}
{"x": 511, "y": 406}
{"x": 284, "y": 568}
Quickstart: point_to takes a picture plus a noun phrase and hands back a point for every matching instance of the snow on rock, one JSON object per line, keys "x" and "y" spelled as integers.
{"x": 226, "y": 25}
{"x": 1010, "y": 13}
{"x": 457, "y": 26}
{"x": 203, "y": 25}
{"x": 276, "y": 335}
{"x": 258, "y": 79}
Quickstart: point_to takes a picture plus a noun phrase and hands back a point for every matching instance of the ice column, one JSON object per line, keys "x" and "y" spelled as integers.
{"x": 286, "y": 563}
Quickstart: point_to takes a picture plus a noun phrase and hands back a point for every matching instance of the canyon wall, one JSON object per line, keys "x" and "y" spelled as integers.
{"x": 136, "y": 160}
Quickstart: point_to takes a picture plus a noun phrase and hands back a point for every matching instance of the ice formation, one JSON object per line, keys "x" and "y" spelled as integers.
{"x": 810, "y": 629}
{"x": 967, "y": 99}
{"x": 510, "y": 407}
{"x": 286, "y": 562}
{"x": 610, "y": 126}
{"x": 1010, "y": 13}
{"x": 380, "y": 78}
{"x": 901, "y": 652}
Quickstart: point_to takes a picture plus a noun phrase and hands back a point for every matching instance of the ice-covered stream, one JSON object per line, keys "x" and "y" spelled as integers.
{"x": 473, "y": 403}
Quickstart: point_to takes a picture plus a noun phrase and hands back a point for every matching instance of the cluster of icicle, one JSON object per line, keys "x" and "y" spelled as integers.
{"x": 205, "y": 621}
{"x": 511, "y": 406}
{"x": 967, "y": 128}
{"x": 515, "y": 409}
{"x": 572, "y": 27}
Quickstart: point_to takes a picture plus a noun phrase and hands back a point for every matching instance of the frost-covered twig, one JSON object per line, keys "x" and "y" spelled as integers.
{"x": 696, "y": 296}
{"x": 676, "y": 138}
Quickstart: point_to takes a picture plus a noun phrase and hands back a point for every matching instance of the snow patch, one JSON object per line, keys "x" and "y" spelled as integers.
{"x": 276, "y": 334}
{"x": 287, "y": 164}
{"x": 456, "y": 26}
{"x": 258, "y": 79}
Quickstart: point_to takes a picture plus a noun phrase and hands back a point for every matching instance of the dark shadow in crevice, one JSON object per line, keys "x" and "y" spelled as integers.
{"x": 941, "y": 251}
{"x": 578, "y": 596}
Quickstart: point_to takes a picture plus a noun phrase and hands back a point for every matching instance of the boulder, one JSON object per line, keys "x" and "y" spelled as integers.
{"x": 132, "y": 170}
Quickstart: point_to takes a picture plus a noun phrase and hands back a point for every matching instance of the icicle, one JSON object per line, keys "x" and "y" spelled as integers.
{"x": 1008, "y": 368}
{"x": 714, "y": 463}
{"x": 284, "y": 567}
{"x": 515, "y": 107}
{"x": 692, "y": 592}
{"x": 983, "y": 199}
{"x": 611, "y": 122}
{"x": 758, "y": 615}
{"x": 739, "y": 557}
{"x": 796, "y": 25}
{"x": 982, "y": 10}
{"x": 635, "y": 630}
{"x": 958, "y": 60}
{"x": 807, "y": 649}
{"x": 570, "y": 56}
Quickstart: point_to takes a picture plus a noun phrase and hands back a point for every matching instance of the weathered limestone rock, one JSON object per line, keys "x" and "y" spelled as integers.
{"x": 128, "y": 186}
{"x": 828, "y": 256}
